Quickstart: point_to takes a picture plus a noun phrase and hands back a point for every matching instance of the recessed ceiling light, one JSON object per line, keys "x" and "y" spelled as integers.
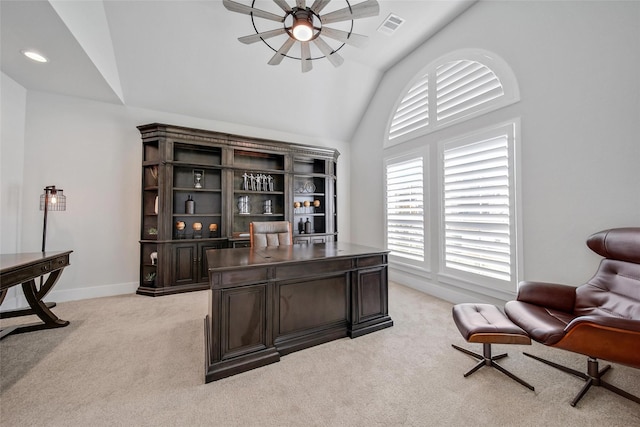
{"x": 34, "y": 56}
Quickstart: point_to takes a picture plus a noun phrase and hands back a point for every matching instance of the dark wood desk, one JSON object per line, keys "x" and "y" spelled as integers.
{"x": 267, "y": 302}
{"x": 25, "y": 268}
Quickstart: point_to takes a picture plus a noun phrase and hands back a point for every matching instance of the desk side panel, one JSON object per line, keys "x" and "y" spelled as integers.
{"x": 370, "y": 299}
{"x": 240, "y": 336}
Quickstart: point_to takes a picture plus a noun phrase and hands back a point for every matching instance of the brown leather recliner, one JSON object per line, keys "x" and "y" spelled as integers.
{"x": 600, "y": 319}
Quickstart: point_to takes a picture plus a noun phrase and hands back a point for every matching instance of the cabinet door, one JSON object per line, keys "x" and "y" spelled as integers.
{"x": 185, "y": 260}
{"x": 203, "y": 267}
{"x": 190, "y": 262}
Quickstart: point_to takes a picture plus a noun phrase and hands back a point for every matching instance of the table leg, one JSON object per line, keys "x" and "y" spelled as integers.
{"x": 48, "y": 284}
{"x": 38, "y": 307}
{"x": 40, "y": 294}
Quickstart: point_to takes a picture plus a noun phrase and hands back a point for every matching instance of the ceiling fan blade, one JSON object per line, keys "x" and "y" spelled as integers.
{"x": 318, "y": 5}
{"x": 283, "y": 5}
{"x": 306, "y": 57}
{"x": 327, "y": 51}
{"x": 248, "y": 10}
{"x": 261, "y": 36}
{"x": 352, "y": 39}
{"x": 279, "y": 56}
{"x": 361, "y": 10}
{"x": 301, "y": 4}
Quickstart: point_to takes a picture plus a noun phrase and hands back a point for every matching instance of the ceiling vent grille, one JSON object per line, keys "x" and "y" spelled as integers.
{"x": 391, "y": 24}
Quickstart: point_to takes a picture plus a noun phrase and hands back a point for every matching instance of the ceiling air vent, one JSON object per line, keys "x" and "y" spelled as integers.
{"x": 391, "y": 24}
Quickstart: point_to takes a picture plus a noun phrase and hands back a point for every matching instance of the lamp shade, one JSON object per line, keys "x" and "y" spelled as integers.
{"x": 53, "y": 199}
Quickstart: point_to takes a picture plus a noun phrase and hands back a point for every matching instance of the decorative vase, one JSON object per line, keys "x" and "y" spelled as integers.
{"x": 197, "y": 230}
{"x": 267, "y": 207}
{"x": 243, "y": 205}
{"x": 190, "y": 206}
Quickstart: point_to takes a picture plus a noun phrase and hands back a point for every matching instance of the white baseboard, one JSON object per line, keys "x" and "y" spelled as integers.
{"x": 452, "y": 294}
{"x": 17, "y": 300}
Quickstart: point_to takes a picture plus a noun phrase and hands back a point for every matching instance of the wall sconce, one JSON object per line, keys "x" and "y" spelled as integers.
{"x": 51, "y": 200}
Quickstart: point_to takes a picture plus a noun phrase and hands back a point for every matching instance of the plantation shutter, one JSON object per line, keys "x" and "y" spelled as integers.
{"x": 413, "y": 111}
{"x": 477, "y": 208}
{"x": 461, "y": 86}
{"x": 405, "y": 209}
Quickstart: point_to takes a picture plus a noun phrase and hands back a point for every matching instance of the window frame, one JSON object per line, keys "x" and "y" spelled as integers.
{"x": 490, "y": 60}
{"x": 467, "y": 279}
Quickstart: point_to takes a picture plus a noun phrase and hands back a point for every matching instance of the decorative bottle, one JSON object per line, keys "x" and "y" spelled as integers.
{"x": 301, "y": 227}
{"x": 190, "y": 205}
{"x": 307, "y": 226}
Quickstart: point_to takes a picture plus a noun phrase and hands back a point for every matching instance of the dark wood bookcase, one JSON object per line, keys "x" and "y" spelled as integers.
{"x": 215, "y": 170}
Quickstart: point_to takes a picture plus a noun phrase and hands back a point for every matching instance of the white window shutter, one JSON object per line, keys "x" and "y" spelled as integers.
{"x": 477, "y": 208}
{"x": 413, "y": 111}
{"x": 405, "y": 209}
{"x": 453, "y": 88}
{"x": 463, "y": 86}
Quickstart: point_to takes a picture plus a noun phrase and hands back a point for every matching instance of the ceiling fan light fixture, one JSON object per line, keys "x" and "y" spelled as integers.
{"x": 302, "y": 29}
{"x": 305, "y": 25}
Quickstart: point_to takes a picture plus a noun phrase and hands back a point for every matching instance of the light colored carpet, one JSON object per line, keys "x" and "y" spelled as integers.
{"x": 139, "y": 361}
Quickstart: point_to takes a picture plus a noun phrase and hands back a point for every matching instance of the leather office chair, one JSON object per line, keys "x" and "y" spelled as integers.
{"x": 600, "y": 319}
{"x": 270, "y": 233}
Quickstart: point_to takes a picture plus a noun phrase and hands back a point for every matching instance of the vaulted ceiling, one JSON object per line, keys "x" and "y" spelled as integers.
{"x": 183, "y": 57}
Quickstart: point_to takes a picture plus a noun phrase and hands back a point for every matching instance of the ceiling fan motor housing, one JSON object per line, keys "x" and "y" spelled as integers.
{"x": 302, "y": 27}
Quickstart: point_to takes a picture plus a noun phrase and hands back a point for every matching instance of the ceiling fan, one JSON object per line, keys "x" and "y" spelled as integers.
{"x": 305, "y": 25}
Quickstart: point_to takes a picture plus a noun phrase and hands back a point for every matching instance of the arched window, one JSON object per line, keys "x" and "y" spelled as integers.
{"x": 455, "y": 87}
{"x": 471, "y": 214}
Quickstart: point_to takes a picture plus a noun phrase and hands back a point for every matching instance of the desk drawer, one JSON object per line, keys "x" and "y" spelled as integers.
{"x": 227, "y": 279}
{"x": 313, "y": 268}
{"x": 59, "y": 262}
{"x": 31, "y": 272}
{"x": 371, "y": 261}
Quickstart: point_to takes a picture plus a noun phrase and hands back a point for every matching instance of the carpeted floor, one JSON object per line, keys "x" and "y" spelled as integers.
{"x": 138, "y": 361}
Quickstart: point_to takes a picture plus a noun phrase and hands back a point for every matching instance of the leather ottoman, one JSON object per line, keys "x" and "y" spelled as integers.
{"x": 487, "y": 324}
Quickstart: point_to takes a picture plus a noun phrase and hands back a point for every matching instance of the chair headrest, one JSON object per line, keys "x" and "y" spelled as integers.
{"x": 617, "y": 243}
{"x": 270, "y": 227}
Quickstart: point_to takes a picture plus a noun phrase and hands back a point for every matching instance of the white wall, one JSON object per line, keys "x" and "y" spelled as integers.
{"x": 12, "y": 122}
{"x": 577, "y": 64}
{"x": 92, "y": 150}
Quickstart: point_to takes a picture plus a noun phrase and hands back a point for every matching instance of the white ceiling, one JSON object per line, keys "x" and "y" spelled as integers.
{"x": 183, "y": 57}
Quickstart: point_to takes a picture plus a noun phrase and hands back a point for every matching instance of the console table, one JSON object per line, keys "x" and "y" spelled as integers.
{"x": 268, "y": 302}
{"x": 25, "y": 268}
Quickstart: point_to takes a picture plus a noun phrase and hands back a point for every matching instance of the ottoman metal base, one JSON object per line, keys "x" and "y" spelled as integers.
{"x": 487, "y": 324}
{"x": 487, "y": 359}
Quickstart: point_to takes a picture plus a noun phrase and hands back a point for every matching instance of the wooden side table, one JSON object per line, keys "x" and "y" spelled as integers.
{"x": 25, "y": 268}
